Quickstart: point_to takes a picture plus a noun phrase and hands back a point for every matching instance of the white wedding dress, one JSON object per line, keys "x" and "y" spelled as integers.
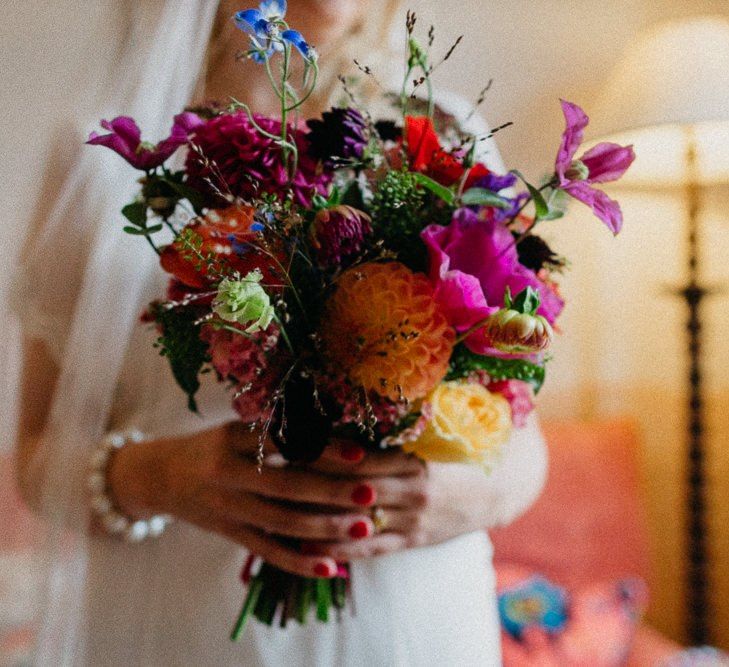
{"x": 171, "y": 601}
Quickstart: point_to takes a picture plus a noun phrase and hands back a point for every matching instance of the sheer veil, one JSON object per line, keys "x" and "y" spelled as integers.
{"x": 155, "y": 77}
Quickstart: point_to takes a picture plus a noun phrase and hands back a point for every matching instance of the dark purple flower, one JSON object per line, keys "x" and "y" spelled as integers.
{"x": 495, "y": 182}
{"x": 125, "y": 138}
{"x": 340, "y": 136}
{"x": 339, "y": 232}
{"x": 233, "y": 157}
{"x": 604, "y": 163}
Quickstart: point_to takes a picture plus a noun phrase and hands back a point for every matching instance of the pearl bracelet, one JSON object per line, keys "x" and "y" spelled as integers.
{"x": 102, "y": 505}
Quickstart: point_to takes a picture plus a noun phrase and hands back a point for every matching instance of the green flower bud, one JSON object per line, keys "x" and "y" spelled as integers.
{"x": 516, "y": 328}
{"x": 244, "y": 302}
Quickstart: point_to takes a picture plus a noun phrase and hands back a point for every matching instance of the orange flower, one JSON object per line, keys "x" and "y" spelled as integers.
{"x": 218, "y": 229}
{"x": 386, "y": 332}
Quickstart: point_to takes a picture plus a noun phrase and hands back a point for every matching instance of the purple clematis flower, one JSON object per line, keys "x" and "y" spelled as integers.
{"x": 604, "y": 163}
{"x": 125, "y": 138}
{"x": 472, "y": 262}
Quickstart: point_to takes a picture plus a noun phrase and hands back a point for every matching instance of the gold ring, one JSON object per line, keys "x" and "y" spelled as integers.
{"x": 379, "y": 519}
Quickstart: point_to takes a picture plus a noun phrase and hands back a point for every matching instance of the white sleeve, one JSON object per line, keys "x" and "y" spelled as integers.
{"x": 519, "y": 476}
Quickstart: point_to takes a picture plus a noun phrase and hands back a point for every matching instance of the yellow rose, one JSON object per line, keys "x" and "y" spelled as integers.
{"x": 468, "y": 424}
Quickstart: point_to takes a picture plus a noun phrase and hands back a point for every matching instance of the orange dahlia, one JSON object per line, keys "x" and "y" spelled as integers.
{"x": 384, "y": 329}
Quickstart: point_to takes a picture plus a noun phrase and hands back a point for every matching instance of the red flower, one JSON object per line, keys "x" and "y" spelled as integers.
{"x": 224, "y": 233}
{"x": 426, "y": 155}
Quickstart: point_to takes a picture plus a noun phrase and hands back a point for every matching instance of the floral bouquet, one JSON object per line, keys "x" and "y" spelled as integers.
{"x": 351, "y": 277}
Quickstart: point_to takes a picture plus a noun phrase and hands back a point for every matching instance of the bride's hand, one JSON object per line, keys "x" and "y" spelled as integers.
{"x": 451, "y": 500}
{"x": 212, "y": 480}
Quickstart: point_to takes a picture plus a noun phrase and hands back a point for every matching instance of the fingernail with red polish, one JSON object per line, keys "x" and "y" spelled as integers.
{"x": 351, "y": 452}
{"x": 323, "y": 570}
{"x": 359, "y": 529}
{"x": 364, "y": 494}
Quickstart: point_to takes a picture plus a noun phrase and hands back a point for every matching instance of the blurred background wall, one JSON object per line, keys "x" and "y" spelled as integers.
{"x": 622, "y": 352}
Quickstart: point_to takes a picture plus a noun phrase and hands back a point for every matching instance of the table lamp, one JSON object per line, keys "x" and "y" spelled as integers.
{"x": 669, "y": 96}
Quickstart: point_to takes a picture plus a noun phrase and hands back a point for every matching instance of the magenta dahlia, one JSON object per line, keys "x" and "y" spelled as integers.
{"x": 232, "y": 157}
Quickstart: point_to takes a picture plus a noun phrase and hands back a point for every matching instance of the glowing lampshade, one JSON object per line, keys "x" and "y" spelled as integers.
{"x": 670, "y": 88}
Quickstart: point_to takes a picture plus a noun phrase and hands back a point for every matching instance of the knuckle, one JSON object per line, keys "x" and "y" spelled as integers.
{"x": 417, "y": 522}
{"x": 417, "y": 538}
{"x": 420, "y": 495}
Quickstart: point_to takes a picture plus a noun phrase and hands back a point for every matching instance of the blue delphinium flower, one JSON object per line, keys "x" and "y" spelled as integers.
{"x": 533, "y": 603}
{"x": 269, "y": 32}
{"x": 295, "y": 38}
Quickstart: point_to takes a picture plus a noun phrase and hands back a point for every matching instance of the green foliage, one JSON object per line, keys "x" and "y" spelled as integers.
{"x": 440, "y": 191}
{"x": 180, "y": 342}
{"x": 464, "y": 362}
{"x": 136, "y": 213}
{"x": 397, "y": 210}
{"x": 527, "y": 301}
{"x": 483, "y": 197}
{"x": 163, "y": 191}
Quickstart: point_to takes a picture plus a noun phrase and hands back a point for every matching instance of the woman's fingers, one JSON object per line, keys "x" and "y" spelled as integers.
{"x": 343, "y": 552}
{"x": 272, "y": 517}
{"x": 300, "y": 485}
{"x": 276, "y": 553}
{"x": 343, "y": 457}
{"x": 246, "y": 441}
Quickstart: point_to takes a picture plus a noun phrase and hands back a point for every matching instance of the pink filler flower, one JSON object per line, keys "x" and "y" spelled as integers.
{"x": 604, "y": 163}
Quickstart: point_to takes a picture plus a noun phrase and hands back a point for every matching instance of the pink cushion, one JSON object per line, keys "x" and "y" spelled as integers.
{"x": 588, "y": 525}
{"x": 601, "y": 622}
{"x": 651, "y": 648}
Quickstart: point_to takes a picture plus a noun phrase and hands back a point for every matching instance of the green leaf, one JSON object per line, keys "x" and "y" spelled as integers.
{"x": 186, "y": 192}
{"x": 540, "y": 205}
{"x": 553, "y": 214}
{"x": 508, "y": 301}
{"x": 483, "y": 197}
{"x": 180, "y": 342}
{"x": 556, "y": 204}
{"x": 464, "y": 362}
{"x": 136, "y": 213}
{"x": 440, "y": 191}
{"x": 144, "y": 231}
{"x": 527, "y": 301}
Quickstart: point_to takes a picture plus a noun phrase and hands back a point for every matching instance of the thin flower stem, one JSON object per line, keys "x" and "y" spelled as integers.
{"x": 530, "y": 228}
{"x": 404, "y": 92}
{"x": 470, "y": 330}
{"x": 284, "y": 335}
{"x": 151, "y": 242}
{"x": 525, "y": 204}
{"x": 271, "y": 78}
{"x": 309, "y": 92}
{"x": 284, "y": 106}
{"x": 169, "y": 226}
